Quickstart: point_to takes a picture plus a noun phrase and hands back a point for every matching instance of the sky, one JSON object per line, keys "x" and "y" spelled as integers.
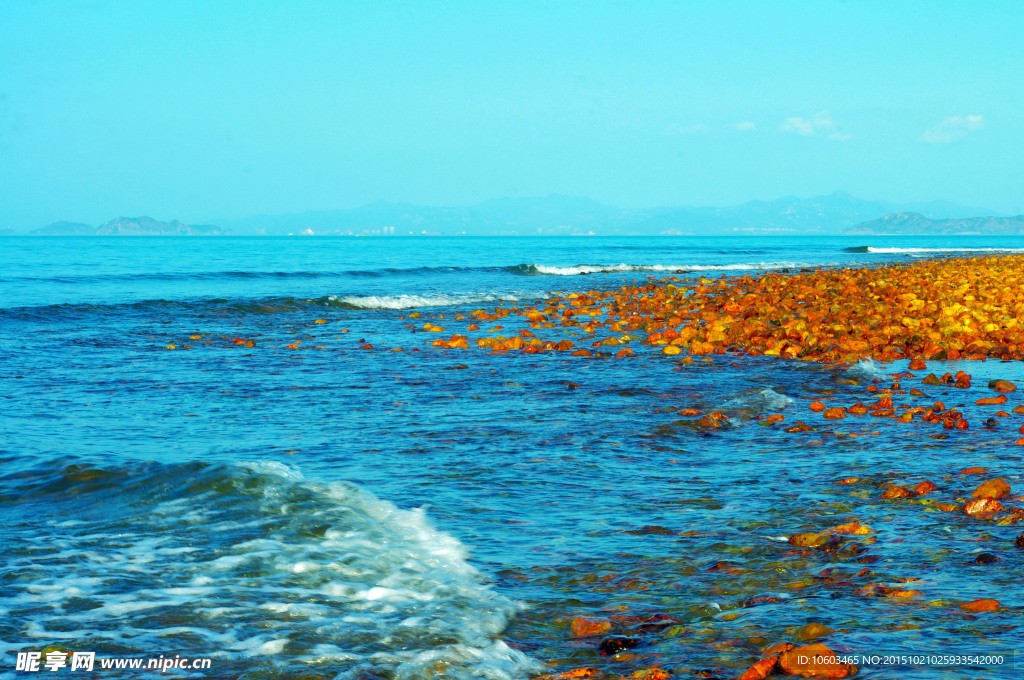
{"x": 203, "y": 111}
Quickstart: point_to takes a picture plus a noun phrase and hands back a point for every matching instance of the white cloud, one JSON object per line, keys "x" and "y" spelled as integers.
{"x": 801, "y": 126}
{"x": 952, "y": 129}
{"x": 820, "y": 124}
{"x": 744, "y": 126}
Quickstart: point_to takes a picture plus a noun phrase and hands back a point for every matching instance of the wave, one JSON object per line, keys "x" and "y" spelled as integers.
{"x": 249, "y": 565}
{"x": 274, "y": 305}
{"x": 414, "y": 301}
{"x": 896, "y": 251}
{"x": 581, "y": 269}
{"x": 760, "y": 400}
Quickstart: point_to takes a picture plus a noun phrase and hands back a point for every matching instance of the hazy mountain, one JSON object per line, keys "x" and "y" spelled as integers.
{"x": 129, "y": 226}
{"x": 65, "y": 229}
{"x": 147, "y": 226}
{"x": 557, "y": 214}
{"x": 552, "y": 214}
{"x": 499, "y": 216}
{"x": 916, "y": 223}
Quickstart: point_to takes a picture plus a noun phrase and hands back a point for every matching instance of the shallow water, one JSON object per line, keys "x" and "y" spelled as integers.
{"x": 332, "y": 512}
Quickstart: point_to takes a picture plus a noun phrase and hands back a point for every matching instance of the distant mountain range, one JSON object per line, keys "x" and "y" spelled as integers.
{"x": 916, "y": 223}
{"x": 572, "y": 215}
{"x": 551, "y": 215}
{"x": 129, "y": 226}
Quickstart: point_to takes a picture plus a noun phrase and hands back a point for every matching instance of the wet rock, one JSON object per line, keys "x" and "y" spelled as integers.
{"x": 814, "y": 661}
{"x": 812, "y": 631}
{"x": 993, "y": 488}
{"x": 610, "y": 646}
{"x": 983, "y": 508}
{"x": 897, "y": 492}
{"x": 808, "y": 540}
{"x": 777, "y": 648}
{"x": 1002, "y": 385}
{"x": 586, "y": 627}
{"x": 985, "y": 558}
{"x": 978, "y": 606}
{"x": 924, "y": 488}
{"x": 1019, "y": 542}
{"x": 762, "y": 669}
{"x": 574, "y": 674}
{"x": 651, "y": 674}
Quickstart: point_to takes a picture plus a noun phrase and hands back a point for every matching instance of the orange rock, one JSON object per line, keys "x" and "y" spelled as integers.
{"x": 799, "y": 426}
{"x": 814, "y": 661}
{"x": 882, "y": 404}
{"x": 982, "y": 508}
{"x": 924, "y": 488}
{"x": 807, "y": 540}
{"x": 858, "y": 409}
{"x": 574, "y": 674}
{"x": 850, "y": 529}
{"x": 1002, "y": 386}
{"x": 761, "y": 670}
{"x": 777, "y": 648}
{"x": 651, "y": 674}
{"x": 816, "y": 406}
{"x": 991, "y": 401}
{"x": 973, "y": 471}
{"x": 983, "y": 605}
{"x": 993, "y": 488}
{"x": 896, "y": 492}
{"x": 918, "y": 364}
{"x": 834, "y": 413}
{"x": 586, "y": 627}
{"x": 776, "y": 417}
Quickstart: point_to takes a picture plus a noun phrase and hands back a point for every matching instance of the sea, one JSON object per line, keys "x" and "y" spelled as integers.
{"x": 211, "y": 448}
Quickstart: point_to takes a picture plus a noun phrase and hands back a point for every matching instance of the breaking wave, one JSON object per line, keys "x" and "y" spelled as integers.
{"x": 896, "y": 251}
{"x": 579, "y": 269}
{"x": 413, "y": 301}
{"x": 251, "y": 566}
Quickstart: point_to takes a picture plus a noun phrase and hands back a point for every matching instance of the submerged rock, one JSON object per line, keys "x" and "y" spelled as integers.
{"x": 610, "y": 646}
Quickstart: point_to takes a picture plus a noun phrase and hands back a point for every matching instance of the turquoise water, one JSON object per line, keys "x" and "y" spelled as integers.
{"x": 336, "y": 512}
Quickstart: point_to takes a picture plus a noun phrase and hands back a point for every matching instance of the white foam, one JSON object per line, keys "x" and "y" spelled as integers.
{"x": 866, "y": 368}
{"x": 872, "y": 249}
{"x": 341, "y": 565}
{"x": 416, "y": 301}
{"x": 762, "y": 399}
{"x": 608, "y": 269}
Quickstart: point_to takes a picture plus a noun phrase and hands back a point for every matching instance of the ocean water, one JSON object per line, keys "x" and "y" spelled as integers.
{"x": 289, "y": 505}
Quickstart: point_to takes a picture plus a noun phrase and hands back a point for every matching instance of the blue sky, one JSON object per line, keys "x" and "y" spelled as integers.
{"x": 217, "y": 110}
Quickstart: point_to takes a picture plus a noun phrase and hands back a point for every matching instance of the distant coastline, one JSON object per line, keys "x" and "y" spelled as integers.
{"x": 556, "y": 215}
